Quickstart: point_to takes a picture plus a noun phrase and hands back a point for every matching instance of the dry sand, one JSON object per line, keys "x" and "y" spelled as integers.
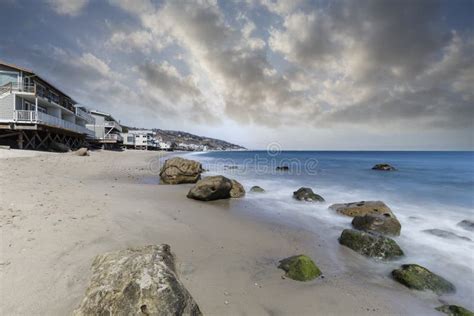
{"x": 57, "y": 211}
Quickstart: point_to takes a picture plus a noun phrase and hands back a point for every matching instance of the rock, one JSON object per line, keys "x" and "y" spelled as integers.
{"x": 211, "y": 188}
{"x": 179, "y": 170}
{"x": 237, "y": 190}
{"x": 307, "y": 194}
{"x": 382, "y": 224}
{"x": 136, "y": 281}
{"x": 257, "y": 189}
{"x": 363, "y": 208}
{"x": 383, "y": 167}
{"x": 454, "y": 310}
{"x": 231, "y": 167}
{"x": 370, "y": 244}
{"x": 58, "y": 147}
{"x": 82, "y": 152}
{"x": 467, "y": 225}
{"x": 282, "y": 168}
{"x": 300, "y": 268}
{"x": 444, "y": 234}
{"x": 419, "y": 278}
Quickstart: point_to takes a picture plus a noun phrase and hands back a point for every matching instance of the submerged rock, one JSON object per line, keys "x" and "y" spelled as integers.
{"x": 362, "y": 208}
{"x": 419, "y": 278}
{"x": 444, "y": 234}
{"x": 82, "y": 152}
{"x": 179, "y": 170}
{"x": 307, "y": 194}
{"x": 454, "y": 310}
{"x": 370, "y": 244}
{"x": 257, "y": 189}
{"x": 383, "y": 167}
{"x": 382, "y": 224}
{"x": 467, "y": 225}
{"x": 282, "y": 168}
{"x": 136, "y": 281}
{"x": 300, "y": 268}
{"x": 237, "y": 190}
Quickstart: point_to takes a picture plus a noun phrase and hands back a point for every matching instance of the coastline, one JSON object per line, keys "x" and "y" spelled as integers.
{"x": 59, "y": 210}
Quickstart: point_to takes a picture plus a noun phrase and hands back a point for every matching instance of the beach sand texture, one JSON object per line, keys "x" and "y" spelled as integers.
{"x": 58, "y": 211}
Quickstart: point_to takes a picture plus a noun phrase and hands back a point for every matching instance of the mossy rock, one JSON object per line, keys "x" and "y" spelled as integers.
{"x": 370, "y": 244}
{"x": 454, "y": 310}
{"x": 307, "y": 194}
{"x": 257, "y": 189}
{"x": 419, "y": 278}
{"x": 300, "y": 268}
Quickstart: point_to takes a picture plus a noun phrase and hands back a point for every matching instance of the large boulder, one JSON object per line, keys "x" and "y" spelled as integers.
{"x": 179, "y": 170}
{"x": 467, "y": 225}
{"x": 216, "y": 188}
{"x": 362, "y": 208}
{"x": 419, "y": 278}
{"x": 383, "y": 167}
{"x": 237, "y": 190}
{"x": 58, "y": 147}
{"x": 445, "y": 234}
{"x": 370, "y": 244}
{"x": 300, "y": 268}
{"x": 307, "y": 194}
{"x": 382, "y": 224}
{"x": 454, "y": 310}
{"x": 136, "y": 281}
{"x": 83, "y": 151}
{"x": 257, "y": 189}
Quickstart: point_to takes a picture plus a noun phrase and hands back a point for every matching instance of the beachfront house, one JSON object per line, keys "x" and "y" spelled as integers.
{"x": 140, "y": 139}
{"x": 106, "y": 130}
{"x": 34, "y": 114}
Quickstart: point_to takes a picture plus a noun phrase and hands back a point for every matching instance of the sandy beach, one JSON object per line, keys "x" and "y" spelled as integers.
{"x": 58, "y": 211}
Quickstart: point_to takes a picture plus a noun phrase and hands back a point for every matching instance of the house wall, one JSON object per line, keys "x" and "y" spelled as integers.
{"x": 6, "y": 107}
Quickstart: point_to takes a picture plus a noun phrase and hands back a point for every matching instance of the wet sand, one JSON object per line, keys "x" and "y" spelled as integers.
{"x": 57, "y": 211}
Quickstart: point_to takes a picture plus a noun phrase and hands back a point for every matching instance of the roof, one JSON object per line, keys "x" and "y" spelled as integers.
{"x": 97, "y": 112}
{"x": 31, "y": 72}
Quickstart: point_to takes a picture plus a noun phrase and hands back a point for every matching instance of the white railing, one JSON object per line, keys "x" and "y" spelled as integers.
{"x": 115, "y": 137}
{"x": 113, "y": 124}
{"x": 19, "y": 87}
{"x": 46, "y": 119}
{"x": 86, "y": 116}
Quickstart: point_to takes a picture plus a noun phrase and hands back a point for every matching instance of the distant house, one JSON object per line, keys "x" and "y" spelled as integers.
{"x": 106, "y": 129}
{"x": 140, "y": 139}
{"x": 34, "y": 113}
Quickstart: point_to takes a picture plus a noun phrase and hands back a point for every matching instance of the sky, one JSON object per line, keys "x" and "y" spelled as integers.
{"x": 301, "y": 74}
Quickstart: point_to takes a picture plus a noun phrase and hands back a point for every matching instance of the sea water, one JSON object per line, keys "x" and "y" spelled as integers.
{"x": 429, "y": 190}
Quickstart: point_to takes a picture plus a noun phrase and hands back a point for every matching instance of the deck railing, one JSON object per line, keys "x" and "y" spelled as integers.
{"x": 113, "y": 124}
{"x": 86, "y": 116}
{"x": 46, "y": 119}
{"x": 115, "y": 137}
{"x": 15, "y": 86}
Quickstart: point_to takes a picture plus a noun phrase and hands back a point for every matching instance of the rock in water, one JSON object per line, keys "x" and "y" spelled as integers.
{"x": 257, "y": 189}
{"x": 382, "y": 224}
{"x": 383, "y": 167}
{"x": 467, "y": 225}
{"x": 454, "y": 310}
{"x": 445, "y": 234}
{"x": 136, "y": 281}
{"x": 237, "y": 190}
{"x": 211, "y": 188}
{"x": 82, "y": 152}
{"x": 300, "y": 268}
{"x": 58, "y": 147}
{"x": 307, "y": 194}
{"x": 370, "y": 244}
{"x": 419, "y": 278}
{"x": 179, "y": 170}
{"x": 362, "y": 208}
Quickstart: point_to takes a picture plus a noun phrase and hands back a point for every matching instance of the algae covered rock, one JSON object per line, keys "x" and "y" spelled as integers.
{"x": 178, "y": 170}
{"x": 136, "y": 281}
{"x": 362, "y": 208}
{"x": 307, "y": 194}
{"x": 419, "y": 278}
{"x": 300, "y": 268}
{"x": 211, "y": 188}
{"x": 370, "y": 244}
{"x": 454, "y": 310}
{"x": 257, "y": 189}
{"x": 467, "y": 225}
{"x": 382, "y": 224}
{"x": 237, "y": 190}
{"x": 383, "y": 167}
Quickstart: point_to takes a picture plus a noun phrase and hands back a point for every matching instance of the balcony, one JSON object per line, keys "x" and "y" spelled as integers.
{"x": 113, "y": 124}
{"x": 85, "y": 116}
{"x": 113, "y": 137}
{"x": 17, "y": 87}
{"x": 46, "y": 119}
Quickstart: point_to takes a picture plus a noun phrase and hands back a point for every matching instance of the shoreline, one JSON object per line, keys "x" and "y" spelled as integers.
{"x": 58, "y": 211}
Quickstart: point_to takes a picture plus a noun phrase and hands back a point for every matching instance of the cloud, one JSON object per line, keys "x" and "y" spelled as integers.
{"x": 67, "y": 7}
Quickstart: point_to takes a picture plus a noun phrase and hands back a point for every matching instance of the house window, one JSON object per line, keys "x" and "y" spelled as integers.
{"x": 7, "y": 77}
{"x": 130, "y": 139}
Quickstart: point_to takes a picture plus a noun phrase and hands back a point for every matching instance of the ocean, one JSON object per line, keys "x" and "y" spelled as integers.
{"x": 429, "y": 190}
